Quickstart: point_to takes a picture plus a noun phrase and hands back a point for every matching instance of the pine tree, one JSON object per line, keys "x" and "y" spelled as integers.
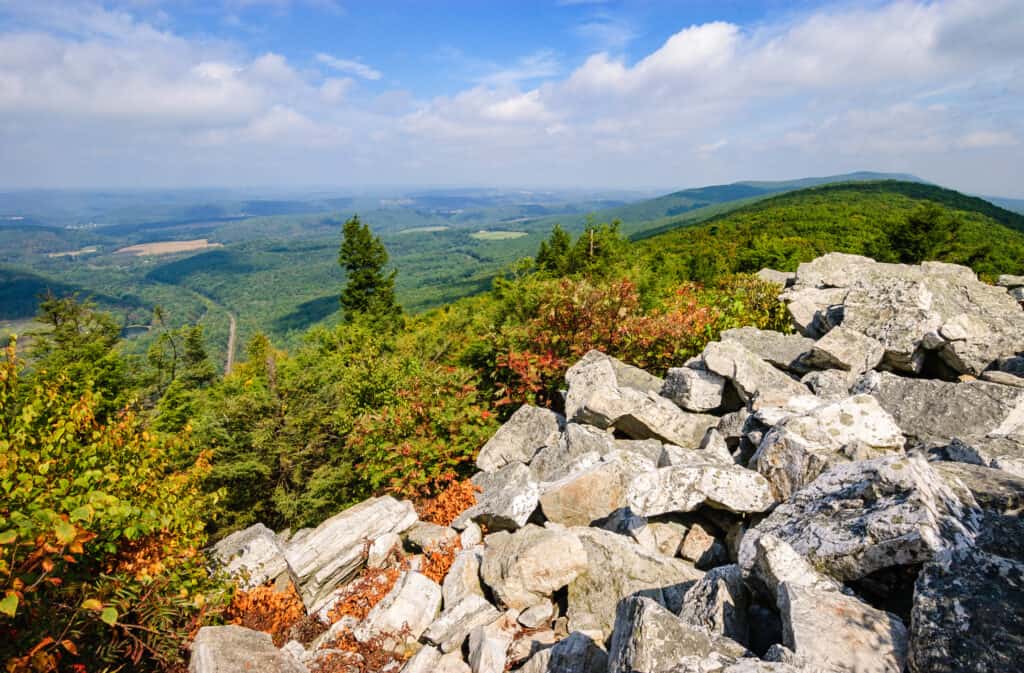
{"x": 368, "y": 289}
{"x": 553, "y": 254}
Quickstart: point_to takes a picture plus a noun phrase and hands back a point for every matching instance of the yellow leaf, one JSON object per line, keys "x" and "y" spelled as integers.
{"x": 92, "y": 604}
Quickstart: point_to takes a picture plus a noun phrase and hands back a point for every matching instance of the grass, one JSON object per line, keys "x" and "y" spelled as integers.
{"x": 485, "y": 235}
{"x": 423, "y": 230}
{"x": 167, "y": 247}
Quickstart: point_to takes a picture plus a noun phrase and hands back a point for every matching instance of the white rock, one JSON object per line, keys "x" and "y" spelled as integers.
{"x": 526, "y": 432}
{"x": 450, "y": 630}
{"x": 405, "y": 613}
{"x": 524, "y": 568}
{"x": 684, "y": 489}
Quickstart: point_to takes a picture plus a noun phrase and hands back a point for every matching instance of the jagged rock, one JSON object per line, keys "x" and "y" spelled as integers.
{"x": 557, "y": 462}
{"x": 1000, "y": 496}
{"x": 382, "y": 548}
{"x": 489, "y": 643}
{"x": 577, "y": 653}
{"x": 1004, "y": 378}
{"x": 529, "y": 643}
{"x": 330, "y": 555}
{"x": 857, "y": 518}
{"x": 526, "y": 567}
{"x": 424, "y": 661}
{"x": 841, "y": 632}
{"x": 254, "y": 557}
{"x": 846, "y": 349}
{"x": 538, "y": 615}
{"x": 463, "y": 578}
{"x": 424, "y": 535}
{"x": 968, "y": 614}
{"x": 405, "y": 613}
{"x": 660, "y": 537}
{"x": 703, "y": 548}
{"x": 587, "y": 495}
{"x": 694, "y": 388}
{"x": 801, "y": 447}
{"x": 750, "y": 375}
{"x": 714, "y": 444}
{"x": 452, "y": 628}
{"x": 809, "y": 308}
{"x": 1004, "y": 453}
{"x": 228, "y": 649}
{"x": 718, "y": 602}
{"x": 507, "y": 498}
{"x": 830, "y": 384}
{"x": 650, "y": 639}
{"x": 471, "y": 535}
{"x": 785, "y": 351}
{"x": 769, "y": 562}
{"x": 617, "y": 567}
{"x": 712, "y": 450}
{"x": 781, "y": 278}
{"x": 685, "y": 488}
{"x": 527, "y": 431}
{"x": 1010, "y": 282}
{"x": 934, "y": 412}
{"x": 609, "y": 394}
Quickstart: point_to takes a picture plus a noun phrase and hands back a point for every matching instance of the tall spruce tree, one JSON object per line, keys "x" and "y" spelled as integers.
{"x": 553, "y": 254}
{"x": 368, "y": 289}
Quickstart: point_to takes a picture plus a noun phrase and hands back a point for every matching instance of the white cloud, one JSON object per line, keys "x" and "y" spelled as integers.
{"x": 350, "y": 66}
{"x": 986, "y": 139}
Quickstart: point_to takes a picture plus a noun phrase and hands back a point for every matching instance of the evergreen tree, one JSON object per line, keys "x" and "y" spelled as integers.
{"x": 553, "y": 254}
{"x": 598, "y": 249}
{"x": 368, "y": 289}
{"x": 927, "y": 233}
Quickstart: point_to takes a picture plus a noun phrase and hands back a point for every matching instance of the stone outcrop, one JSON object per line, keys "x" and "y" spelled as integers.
{"x": 226, "y": 649}
{"x": 526, "y": 567}
{"x": 255, "y": 557}
{"x": 528, "y": 430}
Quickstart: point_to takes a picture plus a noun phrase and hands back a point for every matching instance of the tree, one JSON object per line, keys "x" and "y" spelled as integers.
{"x": 553, "y": 254}
{"x": 597, "y": 249}
{"x": 368, "y": 289}
{"x": 927, "y": 233}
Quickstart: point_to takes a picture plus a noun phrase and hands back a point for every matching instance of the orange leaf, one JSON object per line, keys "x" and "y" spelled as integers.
{"x": 69, "y": 646}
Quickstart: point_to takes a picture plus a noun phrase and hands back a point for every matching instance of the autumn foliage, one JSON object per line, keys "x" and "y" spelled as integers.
{"x": 443, "y": 508}
{"x": 269, "y": 610}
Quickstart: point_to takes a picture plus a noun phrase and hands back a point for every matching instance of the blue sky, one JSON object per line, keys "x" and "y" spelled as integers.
{"x": 648, "y": 94}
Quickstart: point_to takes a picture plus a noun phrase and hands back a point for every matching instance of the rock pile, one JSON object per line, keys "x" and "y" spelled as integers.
{"x": 842, "y": 500}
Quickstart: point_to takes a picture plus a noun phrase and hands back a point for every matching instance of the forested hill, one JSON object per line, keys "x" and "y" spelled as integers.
{"x": 869, "y": 218}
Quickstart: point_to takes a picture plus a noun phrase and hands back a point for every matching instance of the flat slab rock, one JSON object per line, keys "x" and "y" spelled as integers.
{"x": 684, "y": 488}
{"x": 751, "y": 376}
{"x": 507, "y": 498}
{"x": 253, "y": 557}
{"x": 524, "y": 568}
{"x": 785, "y": 351}
{"x": 857, "y": 518}
{"x": 1000, "y": 496}
{"x": 528, "y": 430}
{"x": 230, "y": 649}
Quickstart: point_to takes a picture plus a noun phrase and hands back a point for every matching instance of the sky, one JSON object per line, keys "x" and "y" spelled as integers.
{"x": 557, "y": 93}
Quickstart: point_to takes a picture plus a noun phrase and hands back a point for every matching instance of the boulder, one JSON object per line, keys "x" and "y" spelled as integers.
{"x": 424, "y": 535}
{"x": 507, "y": 498}
{"x": 1010, "y": 282}
{"x": 751, "y": 376}
{"x": 254, "y": 557}
{"x": 785, "y": 351}
{"x": 830, "y": 384}
{"x": 1000, "y": 496}
{"x": 451, "y": 629}
{"x": 489, "y": 644}
{"x": 463, "y": 578}
{"x": 694, "y": 388}
{"x": 650, "y": 639}
{"x": 768, "y": 562}
{"x": 330, "y": 555}
{"x": 780, "y": 278}
{"x": 840, "y": 632}
{"x": 968, "y": 614}
{"x": 934, "y": 412}
{"x": 712, "y": 450}
{"x": 617, "y": 567}
{"x": 229, "y": 649}
{"x": 718, "y": 602}
{"x": 524, "y": 568}
{"x": 382, "y": 548}
{"x": 587, "y": 495}
{"x": 577, "y": 653}
{"x": 800, "y": 447}
{"x": 660, "y": 537}
{"x": 527, "y": 431}
{"x": 810, "y": 307}
{"x": 857, "y": 518}
{"x": 1004, "y": 453}
{"x": 703, "y": 548}
{"x": 846, "y": 349}
{"x": 685, "y": 488}
{"x": 404, "y": 613}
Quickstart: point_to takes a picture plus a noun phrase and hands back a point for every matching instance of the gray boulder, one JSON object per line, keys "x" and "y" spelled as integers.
{"x": 718, "y": 602}
{"x": 769, "y": 562}
{"x": 694, "y": 388}
{"x": 507, "y": 498}
{"x": 527, "y": 431}
{"x": 1005, "y": 453}
{"x": 451, "y": 629}
{"x": 617, "y": 567}
{"x": 780, "y": 278}
{"x": 1010, "y": 282}
{"x": 830, "y": 384}
{"x": 811, "y": 308}
{"x": 424, "y": 535}
{"x": 703, "y": 548}
{"x": 751, "y": 376}
{"x": 587, "y": 495}
{"x": 846, "y": 349}
{"x": 463, "y": 578}
{"x": 577, "y": 653}
{"x": 489, "y": 644}
{"x": 1000, "y": 496}
{"x": 857, "y": 518}
{"x": 685, "y": 488}
{"x": 230, "y": 649}
{"x": 785, "y": 351}
{"x": 524, "y": 568}
{"x": 404, "y": 613}
{"x": 650, "y": 639}
{"x": 331, "y": 554}
{"x": 254, "y": 557}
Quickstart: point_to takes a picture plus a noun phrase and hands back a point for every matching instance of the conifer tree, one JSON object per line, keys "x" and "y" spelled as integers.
{"x": 553, "y": 254}
{"x": 368, "y": 289}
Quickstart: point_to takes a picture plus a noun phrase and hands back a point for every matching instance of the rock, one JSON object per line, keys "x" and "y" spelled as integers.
{"x": 254, "y": 557}
{"x": 382, "y": 548}
{"x": 229, "y": 649}
{"x": 1010, "y": 282}
{"x": 507, "y": 499}
{"x": 718, "y": 602}
{"x": 694, "y": 388}
{"x": 424, "y": 535}
{"x": 451, "y": 629}
{"x": 1004, "y": 378}
{"x": 934, "y": 412}
{"x": 332, "y": 554}
{"x": 750, "y": 375}
{"x": 801, "y": 447}
{"x": 714, "y": 444}
{"x": 1000, "y": 496}
{"x": 463, "y": 578}
{"x": 618, "y": 567}
{"x": 539, "y": 615}
{"x": 809, "y": 308}
{"x": 404, "y": 614}
{"x": 527, "y": 431}
{"x": 471, "y": 535}
{"x": 424, "y": 661}
{"x": 701, "y": 547}
{"x": 768, "y": 562}
{"x": 1000, "y": 453}
{"x": 712, "y": 450}
{"x": 577, "y": 653}
{"x": 968, "y": 614}
{"x": 780, "y": 278}
{"x": 529, "y": 643}
{"x": 609, "y": 394}
{"x": 830, "y": 384}
{"x": 650, "y": 639}
{"x": 659, "y": 537}
{"x": 785, "y": 351}
{"x": 857, "y": 518}
{"x": 684, "y": 489}
{"x": 841, "y": 632}
{"x": 846, "y": 349}
{"x": 488, "y": 644}
{"x": 595, "y": 492}
{"x": 524, "y": 568}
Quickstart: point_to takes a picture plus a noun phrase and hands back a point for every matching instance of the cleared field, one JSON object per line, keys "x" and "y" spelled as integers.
{"x": 423, "y": 230}
{"x": 74, "y": 253}
{"x": 485, "y": 235}
{"x": 167, "y": 247}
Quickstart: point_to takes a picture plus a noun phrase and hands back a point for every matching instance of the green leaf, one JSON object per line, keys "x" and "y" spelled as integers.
{"x": 108, "y": 616}
{"x": 65, "y": 531}
{"x": 8, "y": 536}
{"x": 9, "y": 604}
